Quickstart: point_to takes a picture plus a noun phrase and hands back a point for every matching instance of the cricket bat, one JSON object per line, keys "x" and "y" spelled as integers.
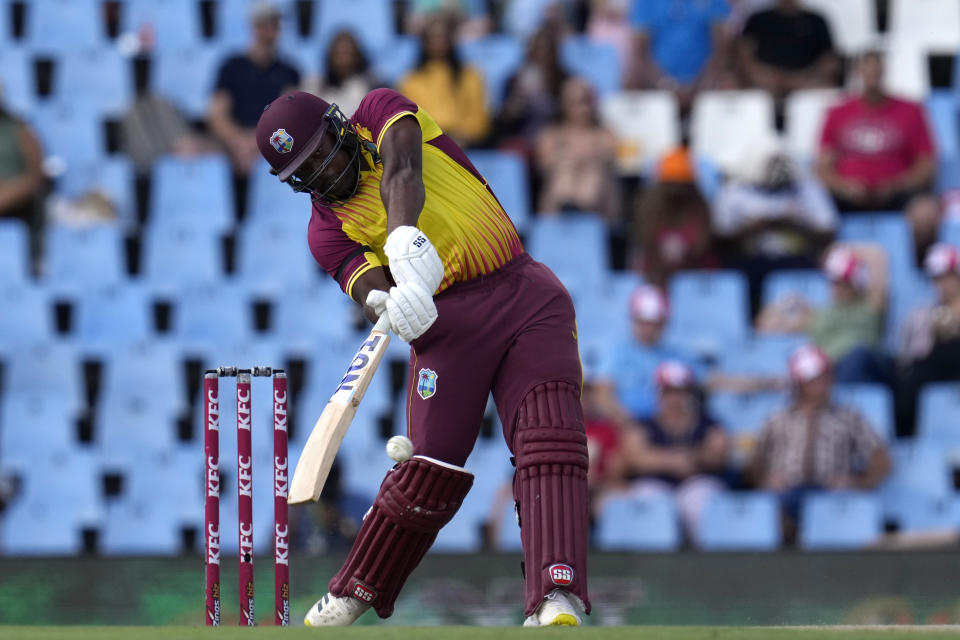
{"x": 327, "y": 435}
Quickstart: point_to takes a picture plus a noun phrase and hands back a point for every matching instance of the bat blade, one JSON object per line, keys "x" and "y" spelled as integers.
{"x": 327, "y": 435}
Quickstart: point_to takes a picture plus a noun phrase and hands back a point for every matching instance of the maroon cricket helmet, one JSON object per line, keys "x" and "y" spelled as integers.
{"x": 290, "y": 130}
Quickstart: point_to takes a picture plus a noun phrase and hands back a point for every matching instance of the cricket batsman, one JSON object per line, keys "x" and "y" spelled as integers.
{"x": 408, "y": 227}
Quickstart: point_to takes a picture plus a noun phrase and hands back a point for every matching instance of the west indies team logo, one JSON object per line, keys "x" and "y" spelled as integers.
{"x": 427, "y": 383}
{"x": 282, "y": 141}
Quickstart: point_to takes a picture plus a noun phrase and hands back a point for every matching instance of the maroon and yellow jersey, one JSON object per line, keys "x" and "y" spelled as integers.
{"x": 461, "y": 215}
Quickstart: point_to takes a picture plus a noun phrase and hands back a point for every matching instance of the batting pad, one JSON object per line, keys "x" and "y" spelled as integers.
{"x": 416, "y": 499}
{"x": 550, "y": 486}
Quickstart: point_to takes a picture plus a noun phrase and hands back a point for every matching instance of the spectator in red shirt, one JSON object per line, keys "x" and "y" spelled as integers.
{"x": 876, "y": 150}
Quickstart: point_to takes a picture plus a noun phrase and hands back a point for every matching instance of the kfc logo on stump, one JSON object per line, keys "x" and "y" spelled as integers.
{"x": 364, "y": 593}
{"x": 561, "y": 574}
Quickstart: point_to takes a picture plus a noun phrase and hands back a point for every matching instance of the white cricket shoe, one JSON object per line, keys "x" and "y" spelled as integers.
{"x": 334, "y": 611}
{"x": 559, "y": 608}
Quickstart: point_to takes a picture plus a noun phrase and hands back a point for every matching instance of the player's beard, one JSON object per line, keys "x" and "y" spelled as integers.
{"x": 346, "y": 183}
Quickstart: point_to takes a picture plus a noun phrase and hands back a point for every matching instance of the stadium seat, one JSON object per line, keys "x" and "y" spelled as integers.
{"x": 59, "y": 27}
{"x": 938, "y": 415}
{"x": 207, "y": 315}
{"x": 647, "y": 125}
{"x": 390, "y": 65}
{"x": 602, "y": 322}
{"x": 14, "y": 252}
{"x": 32, "y": 320}
{"x": 232, "y": 19}
{"x": 185, "y": 76}
{"x": 950, "y": 231}
{"x": 745, "y": 413}
{"x": 57, "y": 501}
{"x": 326, "y": 369}
{"x": 45, "y": 368}
{"x": 133, "y": 434}
{"x": 597, "y": 62}
{"x": 71, "y": 133}
{"x": 944, "y": 114}
{"x": 173, "y": 24}
{"x": 506, "y": 173}
{"x": 805, "y": 111}
{"x": 112, "y": 177}
{"x": 273, "y": 201}
{"x": 948, "y": 171}
{"x": 197, "y": 191}
{"x": 846, "y": 520}
{"x": 574, "y": 246}
{"x": 891, "y": 231}
{"x": 497, "y": 56}
{"x": 852, "y": 23}
{"x": 79, "y": 258}
{"x": 725, "y": 123}
{"x": 273, "y": 255}
{"x": 920, "y": 473}
{"x": 36, "y": 427}
{"x": 927, "y": 515}
{"x": 111, "y": 317}
{"x": 181, "y": 256}
{"x": 102, "y": 77}
{"x": 16, "y": 77}
{"x": 809, "y": 284}
{"x": 905, "y": 71}
{"x": 873, "y": 401}
{"x": 709, "y": 310}
{"x": 307, "y": 316}
{"x": 763, "y": 355}
{"x": 371, "y": 21}
{"x": 743, "y": 521}
{"x": 635, "y": 523}
{"x": 148, "y": 375}
{"x": 933, "y": 23}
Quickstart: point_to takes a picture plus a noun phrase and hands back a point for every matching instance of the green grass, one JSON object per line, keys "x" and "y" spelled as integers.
{"x": 476, "y": 633}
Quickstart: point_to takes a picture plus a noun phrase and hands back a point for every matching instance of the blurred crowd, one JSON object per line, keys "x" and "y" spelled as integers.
{"x": 764, "y": 210}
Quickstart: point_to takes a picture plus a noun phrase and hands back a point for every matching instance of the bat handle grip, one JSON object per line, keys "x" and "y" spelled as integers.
{"x": 383, "y": 324}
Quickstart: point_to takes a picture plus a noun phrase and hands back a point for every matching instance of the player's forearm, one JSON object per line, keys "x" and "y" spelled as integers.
{"x": 403, "y": 196}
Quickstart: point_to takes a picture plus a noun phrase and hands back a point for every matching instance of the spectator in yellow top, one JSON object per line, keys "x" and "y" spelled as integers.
{"x": 451, "y": 92}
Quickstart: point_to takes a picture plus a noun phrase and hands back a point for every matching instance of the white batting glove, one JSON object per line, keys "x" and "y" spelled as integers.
{"x": 413, "y": 258}
{"x": 410, "y": 308}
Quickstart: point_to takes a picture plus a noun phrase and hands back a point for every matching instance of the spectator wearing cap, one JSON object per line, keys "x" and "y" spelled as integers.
{"x": 678, "y": 449}
{"x": 625, "y": 375}
{"x": 850, "y": 329}
{"x": 245, "y": 84}
{"x": 930, "y": 344}
{"x": 672, "y": 222}
{"x": 815, "y": 444}
{"x": 876, "y": 151}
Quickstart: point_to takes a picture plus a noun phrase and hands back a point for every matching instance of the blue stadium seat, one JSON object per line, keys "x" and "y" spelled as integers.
{"x": 112, "y": 317}
{"x": 809, "y": 284}
{"x": 948, "y": 174}
{"x": 149, "y": 374}
{"x": 111, "y": 176}
{"x": 920, "y": 472}
{"x": 52, "y": 429}
{"x": 197, "y": 191}
{"x": 938, "y": 415}
{"x": 574, "y": 246}
{"x": 873, "y": 401}
{"x": 173, "y": 23}
{"x": 185, "y": 76}
{"x": 763, "y": 354}
{"x": 25, "y": 316}
{"x": 14, "y": 252}
{"x": 891, "y": 231}
{"x": 598, "y": 63}
{"x": 945, "y": 121}
{"x": 79, "y": 258}
{"x": 926, "y": 514}
{"x": 371, "y": 22}
{"x": 232, "y": 19}
{"x": 306, "y": 317}
{"x": 602, "y": 322}
{"x": 497, "y": 56}
{"x": 58, "y": 499}
{"x": 203, "y": 316}
{"x": 390, "y": 65}
{"x": 634, "y": 523}
{"x": 506, "y": 173}
{"x": 950, "y": 231}
{"x": 273, "y": 201}
{"x": 745, "y": 413}
{"x": 45, "y": 368}
{"x": 709, "y": 310}
{"x": 181, "y": 256}
{"x": 63, "y": 26}
{"x": 70, "y": 132}
{"x": 748, "y": 521}
{"x": 16, "y": 77}
{"x": 101, "y": 77}
{"x": 840, "y": 521}
{"x": 134, "y": 433}
{"x": 326, "y": 370}
{"x": 273, "y": 255}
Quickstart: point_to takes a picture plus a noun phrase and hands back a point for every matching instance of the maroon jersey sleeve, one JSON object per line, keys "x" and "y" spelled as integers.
{"x": 342, "y": 257}
{"x": 381, "y": 108}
